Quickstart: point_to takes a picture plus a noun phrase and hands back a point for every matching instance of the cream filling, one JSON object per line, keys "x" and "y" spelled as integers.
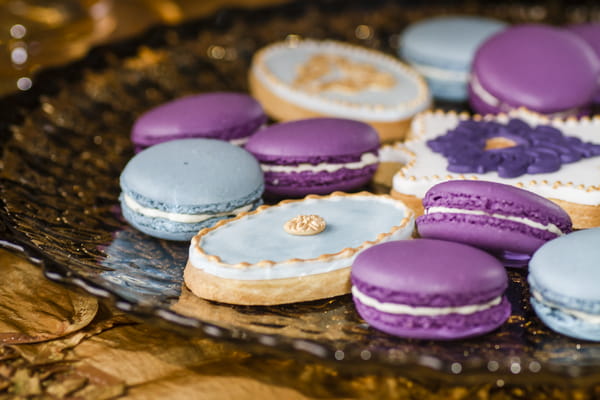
{"x": 441, "y": 74}
{"x": 176, "y": 217}
{"x": 587, "y": 317}
{"x": 365, "y": 160}
{"x": 548, "y": 227}
{"x": 240, "y": 141}
{"x": 392, "y": 308}
{"x": 483, "y": 94}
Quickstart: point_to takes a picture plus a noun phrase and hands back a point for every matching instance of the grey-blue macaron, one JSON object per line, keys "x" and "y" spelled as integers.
{"x": 174, "y": 189}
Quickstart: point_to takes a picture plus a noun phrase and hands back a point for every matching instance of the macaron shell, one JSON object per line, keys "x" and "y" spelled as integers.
{"x": 566, "y": 324}
{"x": 169, "y": 230}
{"x": 299, "y": 184}
{"x": 490, "y": 231}
{"x": 192, "y": 175}
{"x": 219, "y": 115}
{"x": 447, "y": 41}
{"x": 428, "y": 272}
{"x": 449, "y": 327}
{"x": 314, "y": 137}
{"x": 566, "y": 270}
{"x": 590, "y": 32}
{"x": 543, "y": 68}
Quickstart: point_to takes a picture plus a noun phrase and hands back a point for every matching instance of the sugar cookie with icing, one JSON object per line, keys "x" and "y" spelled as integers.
{"x": 554, "y": 158}
{"x": 258, "y": 258}
{"x": 309, "y": 78}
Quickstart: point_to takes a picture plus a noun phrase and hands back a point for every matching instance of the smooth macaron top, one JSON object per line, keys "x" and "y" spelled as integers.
{"x": 314, "y": 138}
{"x": 589, "y": 32}
{"x": 220, "y": 115}
{"x": 566, "y": 271}
{"x": 189, "y": 175}
{"x": 450, "y": 41}
{"x": 497, "y": 198}
{"x": 428, "y": 272}
{"x": 543, "y": 68}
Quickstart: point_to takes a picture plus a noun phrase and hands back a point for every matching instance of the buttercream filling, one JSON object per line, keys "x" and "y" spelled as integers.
{"x": 177, "y": 217}
{"x": 405, "y": 309}
{"x": 365, "y": 160}
{"x": 442, "y": 74}
{"x": 581, "y": 315}
{"x": 483, "y": 94}
{"x": 239, "y": 141}
{"x": 525, "y": 221}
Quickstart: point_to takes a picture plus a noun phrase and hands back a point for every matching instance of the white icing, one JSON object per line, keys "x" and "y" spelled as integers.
{"x": 365, "y": 159}
{"x": 427, "y": 168}
{"x": 442, "y": 74}
{"x": 409, "y": 95}
{"x": 308, "y": 266}
{"x": 525, "y": 221}
{"x": 393, "y": 308}
{"x": 581, "y": 315}
{"x": 176, "y": 217}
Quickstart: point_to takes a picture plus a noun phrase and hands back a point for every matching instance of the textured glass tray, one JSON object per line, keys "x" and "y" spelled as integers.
{"x": 65, "y": 142}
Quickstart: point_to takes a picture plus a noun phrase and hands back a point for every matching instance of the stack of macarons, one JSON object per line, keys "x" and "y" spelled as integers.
{"x": 449, "y": 283}
{"x": 204, "y": 163}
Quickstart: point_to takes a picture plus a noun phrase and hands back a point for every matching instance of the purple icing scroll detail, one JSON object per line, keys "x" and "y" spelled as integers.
{"x": 512, "y": 150}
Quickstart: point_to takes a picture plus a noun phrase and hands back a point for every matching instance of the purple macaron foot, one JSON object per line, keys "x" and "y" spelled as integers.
{"x": 505, "y": 220}
{"x": 315, "y": 156}
{"x": 228, "y": 116}
{"x": 430, "y": 289}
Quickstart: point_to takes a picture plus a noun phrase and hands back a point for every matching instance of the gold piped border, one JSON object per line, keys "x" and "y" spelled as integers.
{"x": 344, "y": 253}
{"x": 423, "y": 98}
{"x": 418, "y": 131}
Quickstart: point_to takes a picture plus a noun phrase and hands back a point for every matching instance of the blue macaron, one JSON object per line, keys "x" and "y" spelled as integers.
{"x": 174, "y": 189}
{"x": 442, "y": 50}
{"x": 564, "y": 276}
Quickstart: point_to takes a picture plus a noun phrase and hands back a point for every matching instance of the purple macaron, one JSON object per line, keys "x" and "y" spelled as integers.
{"x": 226, "y": 116}
{"x": 430, "y": 289}
{"x": 315, "y": 156}
{"x": 545, "y": 69}
{"x": 590, "y": 32}
{"x": 503, "y": 219}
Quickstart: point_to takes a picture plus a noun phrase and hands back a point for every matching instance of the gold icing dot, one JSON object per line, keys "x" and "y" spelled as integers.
{"x": 499, "y": 142}
{"x": 305, "y": 225}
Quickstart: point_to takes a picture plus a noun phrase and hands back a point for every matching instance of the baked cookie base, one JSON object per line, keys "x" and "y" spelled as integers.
{"x": 267, "y": 292}
{"x": 583, "y": 216}
{"x": 282, "y": 110}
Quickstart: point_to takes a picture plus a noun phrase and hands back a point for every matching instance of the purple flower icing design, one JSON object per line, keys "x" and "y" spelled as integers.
{"x": 512, "y": 149}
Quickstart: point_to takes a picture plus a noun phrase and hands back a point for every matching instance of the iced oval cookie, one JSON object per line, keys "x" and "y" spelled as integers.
{"x": 271, "y": 256}
{"x": 315, "y": 156}
{"x": 310, "y": 78}
{"x": 228, "y": 116}
{"x": 556, "y": 159}
{"x": 174, "y": 189}
{"x": 564, "y": 276}
{"x": 430, "y": 289}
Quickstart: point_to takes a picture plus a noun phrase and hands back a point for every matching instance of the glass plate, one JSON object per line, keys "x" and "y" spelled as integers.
{"x": 66, "y": 141}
